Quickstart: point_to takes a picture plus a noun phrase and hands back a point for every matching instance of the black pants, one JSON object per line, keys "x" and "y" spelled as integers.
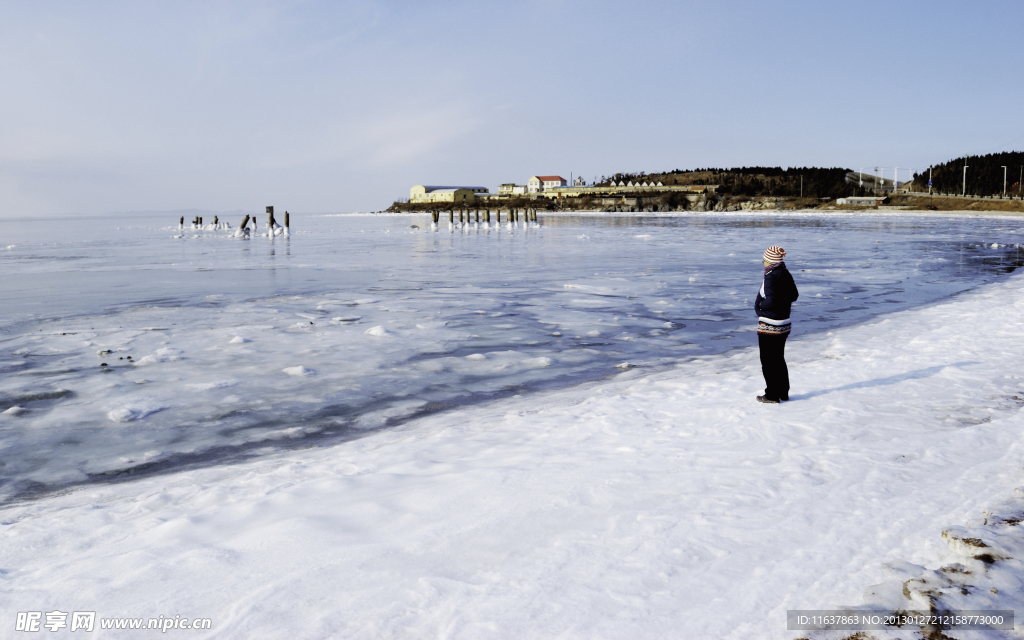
{"x": 773, "y": 365}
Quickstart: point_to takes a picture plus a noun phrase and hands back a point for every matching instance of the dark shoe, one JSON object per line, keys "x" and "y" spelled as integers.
{"x": 785, "y": 398}
{"x": 767, "y": 400}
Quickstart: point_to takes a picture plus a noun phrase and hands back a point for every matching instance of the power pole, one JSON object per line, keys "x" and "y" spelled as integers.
{"x": 860, "y": 178}
{"x": 929, "y": 181}
{"x": 1004, "y": 182}
{"x": 895, "y": 179}
{"x": 801, "y": 186}
{"x": 965, "y": 180}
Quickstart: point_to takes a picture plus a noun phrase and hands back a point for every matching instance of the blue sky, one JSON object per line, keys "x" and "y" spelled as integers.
{"x": 342, "y": 106}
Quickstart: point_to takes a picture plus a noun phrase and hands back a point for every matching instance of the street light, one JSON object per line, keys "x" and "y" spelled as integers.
{"x": 965, "y": 180}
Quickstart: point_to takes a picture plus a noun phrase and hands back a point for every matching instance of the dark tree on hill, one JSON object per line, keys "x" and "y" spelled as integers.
{"x": 818, "y": 182}
{"x": 984, "y": 174}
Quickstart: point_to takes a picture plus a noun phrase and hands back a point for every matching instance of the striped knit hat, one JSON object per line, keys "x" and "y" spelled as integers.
{"x": 774, "y": 253}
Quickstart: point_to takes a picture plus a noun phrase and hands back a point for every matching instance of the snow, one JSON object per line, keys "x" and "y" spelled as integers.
{"x": 647, "y": 506}
{"x": 135, "y": 411}
{"x": 515, "y": 493}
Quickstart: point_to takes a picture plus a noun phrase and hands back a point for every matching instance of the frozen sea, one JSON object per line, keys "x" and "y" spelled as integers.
{"x": 129, "y": 347}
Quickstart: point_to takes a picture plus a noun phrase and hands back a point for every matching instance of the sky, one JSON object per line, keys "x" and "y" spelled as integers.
{"x": 343, "y": 106}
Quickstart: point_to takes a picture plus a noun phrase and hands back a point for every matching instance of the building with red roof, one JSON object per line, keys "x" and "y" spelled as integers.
{"x": 537, "y": 184}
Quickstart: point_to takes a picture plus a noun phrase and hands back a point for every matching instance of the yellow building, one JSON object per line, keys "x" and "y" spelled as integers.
{"x": 427, "y": 193}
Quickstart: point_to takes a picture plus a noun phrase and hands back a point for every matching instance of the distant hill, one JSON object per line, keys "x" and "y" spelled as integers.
{"x": 984, "y": 175}
{"x": 818, "y": 182}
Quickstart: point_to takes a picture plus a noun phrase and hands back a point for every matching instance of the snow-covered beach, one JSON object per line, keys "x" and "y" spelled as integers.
{"x": 656, "y": 502}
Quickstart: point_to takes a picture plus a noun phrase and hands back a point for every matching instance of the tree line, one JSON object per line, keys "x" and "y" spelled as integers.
{"x": 984, "y": 175}
{"x": 818, "y": 182}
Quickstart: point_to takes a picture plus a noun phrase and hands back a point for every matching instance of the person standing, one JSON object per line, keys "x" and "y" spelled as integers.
{"x": 773, "y": 302}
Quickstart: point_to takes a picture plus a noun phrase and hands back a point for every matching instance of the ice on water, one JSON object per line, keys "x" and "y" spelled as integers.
{"x": 131, "y": 346}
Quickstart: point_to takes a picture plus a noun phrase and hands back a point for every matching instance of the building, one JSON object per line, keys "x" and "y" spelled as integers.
{"x": 864, "y": 201}
{"x": 510, "y": 189}
{"x": 537, "y": 184}
{"x": 701, "y": 191}
{"x": 427, "y": 193}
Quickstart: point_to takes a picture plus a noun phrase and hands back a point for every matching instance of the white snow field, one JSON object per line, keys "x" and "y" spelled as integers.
{"x": 649, "y": 505}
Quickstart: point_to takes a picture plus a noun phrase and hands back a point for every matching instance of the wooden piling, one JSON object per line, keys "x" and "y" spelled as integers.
{"x": 478, "y": 215}
{"x": 487, "y": 215}
{"x": 451, "y": 216}
{"x": 216, "y": 220}
{"x": 181, "y": 221}
{"x": 245, "y": 221}
{"x": 270, "y": 218}
{"x": 287, "y": 220}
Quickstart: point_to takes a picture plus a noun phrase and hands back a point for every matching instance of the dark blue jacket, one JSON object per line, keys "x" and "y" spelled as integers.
{"x": 779, "y": 294}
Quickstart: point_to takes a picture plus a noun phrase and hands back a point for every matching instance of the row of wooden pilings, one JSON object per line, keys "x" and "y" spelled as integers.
{"x": 271, "y": 222}
{"x": 198, "y": 220}
{"x": 511, "y": 215}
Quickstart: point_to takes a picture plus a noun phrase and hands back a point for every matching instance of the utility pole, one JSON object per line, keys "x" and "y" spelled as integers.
{"x": 895, "y": 179}
{"x": 965, "y": 180}
{"x": 929, "y": 181}
{"x": 801, "y": 186}
{"x": 860, "y": 178}
{"x": 1004, "y": 182}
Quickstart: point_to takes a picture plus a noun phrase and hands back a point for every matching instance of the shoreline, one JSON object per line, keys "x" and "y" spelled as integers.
{"x": 596, "y": 213}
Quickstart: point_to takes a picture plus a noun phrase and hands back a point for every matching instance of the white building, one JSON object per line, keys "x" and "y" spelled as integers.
{"x": 864, "y": 201}
{"x": 537, "y": 184}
